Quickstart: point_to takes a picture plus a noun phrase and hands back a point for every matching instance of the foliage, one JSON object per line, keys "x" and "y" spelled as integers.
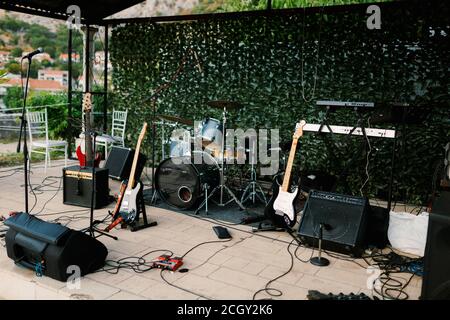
{"x": 208, "y": 6}
{"x": 13, "y": 67}
{"x": 57, "y": 110}
{"x": 16, "y": 52}
{"x": 269, "y": 63}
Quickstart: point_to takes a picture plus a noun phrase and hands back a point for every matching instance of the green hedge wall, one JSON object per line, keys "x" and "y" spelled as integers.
{"x": 258, "y": 61}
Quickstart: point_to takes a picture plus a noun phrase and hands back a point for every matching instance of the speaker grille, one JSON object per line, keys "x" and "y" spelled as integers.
{"x": 344, "y": 218}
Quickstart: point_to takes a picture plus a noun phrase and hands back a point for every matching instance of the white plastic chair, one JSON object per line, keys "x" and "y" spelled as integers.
{"x": 38, "y": 126}
{"x": 117, "y": 137}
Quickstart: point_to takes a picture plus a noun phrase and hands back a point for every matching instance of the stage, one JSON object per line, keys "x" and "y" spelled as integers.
{"x": 230, "y": 270}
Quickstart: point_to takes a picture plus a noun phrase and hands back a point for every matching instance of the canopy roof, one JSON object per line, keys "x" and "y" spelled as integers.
{"x": 95, "y": 12}
{"x": 90, "y": 10}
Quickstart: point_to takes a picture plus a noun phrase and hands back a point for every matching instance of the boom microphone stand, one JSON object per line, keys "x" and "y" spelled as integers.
{"x": 23, "y": 131}
{"x": 153, "y": 99}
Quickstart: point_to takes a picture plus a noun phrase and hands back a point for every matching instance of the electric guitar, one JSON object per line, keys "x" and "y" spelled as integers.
{"x": 281, "y": 205}
{"x": 128, "y": 209}
{"x": 85, "y": 158}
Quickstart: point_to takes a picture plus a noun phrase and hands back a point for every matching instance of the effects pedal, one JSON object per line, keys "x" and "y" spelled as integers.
{"x": 168, "y": 263}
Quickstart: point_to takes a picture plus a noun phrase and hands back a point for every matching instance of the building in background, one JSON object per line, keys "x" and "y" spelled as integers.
{"x": 62, "y": 76}
{"x": 64, "y": 57}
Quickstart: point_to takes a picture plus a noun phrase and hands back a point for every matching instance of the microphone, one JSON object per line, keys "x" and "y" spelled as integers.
{"x": 199, "y": 65}
{"x": 35, "y": 52}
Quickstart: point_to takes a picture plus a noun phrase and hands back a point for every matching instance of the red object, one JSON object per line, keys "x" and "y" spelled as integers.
{"x": 168, "y": 263}
{"x": 114, "y": 223}
{"x": 82, "y": 158}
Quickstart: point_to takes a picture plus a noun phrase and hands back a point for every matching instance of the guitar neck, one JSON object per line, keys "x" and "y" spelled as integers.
{"x": 132, "y": 179}
{"x": 88, "y": 140}
{"x": 290, "y": 163}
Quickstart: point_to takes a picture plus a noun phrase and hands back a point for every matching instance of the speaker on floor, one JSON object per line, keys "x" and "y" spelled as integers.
{"x": 436, "y": 265}
{"x": 119, "y": 163}
{"x": 344, "y": 219}
{"x": 52, "y": 249}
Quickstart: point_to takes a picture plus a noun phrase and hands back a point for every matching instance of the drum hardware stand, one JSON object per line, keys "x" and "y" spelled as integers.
{"x": 222, "y": 186}
{"x": 319, "y": 260}
{"x": 205, "y": 187}
{"x": 253, "y": 189}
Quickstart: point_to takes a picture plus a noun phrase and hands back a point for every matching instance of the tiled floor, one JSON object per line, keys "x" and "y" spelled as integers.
{"x": 229, "y": 270}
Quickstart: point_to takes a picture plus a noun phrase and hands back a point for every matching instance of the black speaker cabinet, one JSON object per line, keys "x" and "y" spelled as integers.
{"x": 344, "y": 219}
{"x": 52, "y": 248}
{"x": 119, "y": 163}
{"x": 77, "y": 186}
{"x": 436, "y": 277}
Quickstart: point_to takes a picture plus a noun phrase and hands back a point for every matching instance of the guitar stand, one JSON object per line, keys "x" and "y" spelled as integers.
{"x": 269, "y": 227}
{"x": 136, "y": 226}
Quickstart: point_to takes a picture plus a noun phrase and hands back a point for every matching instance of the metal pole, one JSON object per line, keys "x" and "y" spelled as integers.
{"x": 105, "y": 83}
{"x": 69, "y": 94}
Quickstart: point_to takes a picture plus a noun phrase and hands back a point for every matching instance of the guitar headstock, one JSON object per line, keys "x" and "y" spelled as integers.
{"x": 299, "y": 130}
{"x": 87, "y": 103}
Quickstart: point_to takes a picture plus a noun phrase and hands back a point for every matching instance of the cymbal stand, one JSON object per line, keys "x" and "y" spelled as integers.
{"x": 222, "y": 186}
{"x": 253, "y": 189}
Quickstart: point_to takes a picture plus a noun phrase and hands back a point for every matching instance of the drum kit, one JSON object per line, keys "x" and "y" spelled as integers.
{"x": 196, "y": 169}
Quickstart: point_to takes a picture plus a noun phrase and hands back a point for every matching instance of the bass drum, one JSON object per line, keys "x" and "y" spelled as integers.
{"x": 180, "y": 180}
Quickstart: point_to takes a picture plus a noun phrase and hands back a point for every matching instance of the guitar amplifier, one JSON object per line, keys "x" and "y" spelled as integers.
{"x": 120, "y": 161}
{"x": 344, "y": 217}
{"x": 77, "y": 186}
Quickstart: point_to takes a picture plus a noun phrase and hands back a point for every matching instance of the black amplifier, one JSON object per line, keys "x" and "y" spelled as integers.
{"x": 345, "y": 218}
{"x": 77, "y": 186}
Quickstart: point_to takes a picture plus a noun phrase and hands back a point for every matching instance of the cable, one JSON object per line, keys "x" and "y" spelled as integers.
{"x": 367, "y": 160}
{"x": 181, "y": 288}
{"x": 273, "y": 292}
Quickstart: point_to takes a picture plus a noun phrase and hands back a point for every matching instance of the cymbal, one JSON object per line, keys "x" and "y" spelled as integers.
{"x": 220, "y": 104}
{"x": 187, "y": 122}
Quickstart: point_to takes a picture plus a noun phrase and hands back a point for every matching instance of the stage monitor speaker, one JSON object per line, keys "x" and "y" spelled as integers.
{"x": 119, "y": 163}
{"x": 344, "y": 218}
{"x": 51, "y": 248}
{"x": 77, "y": 186}
{"x": 436, "y": 265}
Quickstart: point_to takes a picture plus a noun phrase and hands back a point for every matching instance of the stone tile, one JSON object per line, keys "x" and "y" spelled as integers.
{"x": 238, "y": 279}
{"x": 272, "y": 272}
{"x": 201, "y": 285}
{"x": 89, "y": 290}
{"x": 135, "y": 284}
{"x": 123, "y": 295}
{"x": 204, "y": 270}
{"x": 236, "y": 263}
{"x": 163, "y": 291}
{"x": 254, "y": 268}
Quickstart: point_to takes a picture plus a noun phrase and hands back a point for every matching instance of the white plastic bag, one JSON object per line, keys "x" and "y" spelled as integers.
{"x": 408, "y": 232}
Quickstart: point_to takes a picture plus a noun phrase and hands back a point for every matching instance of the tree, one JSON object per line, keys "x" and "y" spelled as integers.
{"x": 13, "y": 67}
{"x": 17, "y": 52}
{"x": 13, "y": 97}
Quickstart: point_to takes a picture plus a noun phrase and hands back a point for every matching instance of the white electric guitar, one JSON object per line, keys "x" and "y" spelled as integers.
{"x": 284, "y": 200}
{"x": 129, "y": 207}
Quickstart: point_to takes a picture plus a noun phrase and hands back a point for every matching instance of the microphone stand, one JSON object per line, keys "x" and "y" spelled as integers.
{"x": 23, "y": 131}
{"x": 92, "y": 224}
{"x": 153, "y": 99}
{"x": 319, "y": 260}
